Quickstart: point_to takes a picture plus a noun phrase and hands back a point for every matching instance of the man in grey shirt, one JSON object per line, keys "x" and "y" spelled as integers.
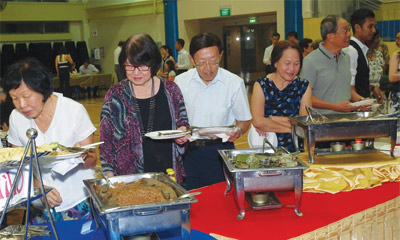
{"x": 327, "y": 68}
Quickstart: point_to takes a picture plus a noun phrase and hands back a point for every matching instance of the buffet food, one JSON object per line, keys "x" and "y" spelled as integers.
{"x": 15, "y": 154}
{"x": 250, "y": 161}
{"x": 145, "y": 190}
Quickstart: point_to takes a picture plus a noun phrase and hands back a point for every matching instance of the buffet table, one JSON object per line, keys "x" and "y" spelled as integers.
{"x": 86, "y": 229}
{"x": 215, "y": 213}
{"x": 104, "y": 79}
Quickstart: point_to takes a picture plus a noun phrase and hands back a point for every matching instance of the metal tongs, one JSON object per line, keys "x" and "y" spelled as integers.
{"x": 310, "y": 110}
{"x": 101, "y": 173}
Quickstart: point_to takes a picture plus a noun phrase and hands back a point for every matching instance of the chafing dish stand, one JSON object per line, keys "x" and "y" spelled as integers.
{"x": 358, "y": 125}
{"x": 31, "y": 133}
{"x": 143, "y": 218}
{"x": 261, "y": 179}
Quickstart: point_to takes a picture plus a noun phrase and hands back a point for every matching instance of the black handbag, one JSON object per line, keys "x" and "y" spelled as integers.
{"x": 387, "y": 86}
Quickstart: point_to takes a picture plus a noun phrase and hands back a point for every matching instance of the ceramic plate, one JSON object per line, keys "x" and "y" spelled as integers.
{"x": 166, "y": 134}
{"x": 363, "y": 102}
{"x": 214, "y": 130}
{"x": 49, "y": 158}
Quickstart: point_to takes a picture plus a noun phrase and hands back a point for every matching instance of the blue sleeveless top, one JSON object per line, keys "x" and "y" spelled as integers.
{"x": 285, "y": 103}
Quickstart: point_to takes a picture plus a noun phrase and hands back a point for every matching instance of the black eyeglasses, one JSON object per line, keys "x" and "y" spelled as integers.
{"x": 142, "y": 68}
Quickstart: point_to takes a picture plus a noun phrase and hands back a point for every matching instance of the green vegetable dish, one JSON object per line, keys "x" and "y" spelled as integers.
{"x": 259, "y": 160}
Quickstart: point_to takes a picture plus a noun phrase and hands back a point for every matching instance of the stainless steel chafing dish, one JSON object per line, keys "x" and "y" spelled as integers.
{"x": 345, "y": 126}
{"x": 142, "y": 218}
{"x": 260, "y": 179}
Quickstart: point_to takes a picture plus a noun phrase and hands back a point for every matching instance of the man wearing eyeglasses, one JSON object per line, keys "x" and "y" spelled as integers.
{"x": 213, "y": 97}
{"x": 327, "y": 68}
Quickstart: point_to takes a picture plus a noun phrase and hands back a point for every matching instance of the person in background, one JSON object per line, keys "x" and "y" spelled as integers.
{"x": 213, "y": 97}
{"x": 140, "y": 104}
{"x": 63, "y": 61}
{"x": 183, "y": 63}
{"x": 267, "y": 53}
{"x": 73, "y": 71}
{"x": 383, "y": 48}
{"x": 88, "y": 68}
{"x": 6, "y": 107}
{"x": 315, "y": 43}
{"x": 394, "y": 76}
{"x": 306, "y": 46}
{"x": 281, "y": 94}
{"x": 120, "y": 72}
{"x": 293, "y": 37}
{"x": 166, "y": 54}
{"x": 327, "y": 69}
{"x": 57, "y": 119}
{"x": 363, "y": 24}
{"x": 375, "y": 63}
{"x": 170, "y": 69}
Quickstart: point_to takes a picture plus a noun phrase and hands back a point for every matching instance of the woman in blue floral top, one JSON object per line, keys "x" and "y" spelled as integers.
{"x": 140, "y": 104}
{"x": 281, "y": 94}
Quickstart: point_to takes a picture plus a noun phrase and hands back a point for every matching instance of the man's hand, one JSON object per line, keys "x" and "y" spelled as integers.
{"x": 53, "y": 198}
{"x": 344, "y": 106}
{"x": 234, "y": 135}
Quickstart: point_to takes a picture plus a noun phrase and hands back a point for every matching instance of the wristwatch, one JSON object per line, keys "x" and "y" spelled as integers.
{"x": 270, "y": 117}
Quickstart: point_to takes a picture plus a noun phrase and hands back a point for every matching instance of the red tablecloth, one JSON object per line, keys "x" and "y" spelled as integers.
{"x": 215, "y": 213}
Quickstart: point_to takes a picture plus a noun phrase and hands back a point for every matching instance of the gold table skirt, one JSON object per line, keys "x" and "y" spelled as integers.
{"x": 345, "y": 172}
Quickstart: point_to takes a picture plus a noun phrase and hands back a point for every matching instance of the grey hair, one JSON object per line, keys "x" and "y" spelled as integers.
{"x": 328, "y": 25}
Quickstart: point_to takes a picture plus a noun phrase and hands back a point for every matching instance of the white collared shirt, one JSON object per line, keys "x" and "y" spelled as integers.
{"x": 267, "y": 54}
{"x": 353, "y": 58}
{"x": 220, "y": 103}
{"x": 183, "y": 60}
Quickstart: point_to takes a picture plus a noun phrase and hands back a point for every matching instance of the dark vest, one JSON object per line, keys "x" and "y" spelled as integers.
{"x": 362, "y": 77}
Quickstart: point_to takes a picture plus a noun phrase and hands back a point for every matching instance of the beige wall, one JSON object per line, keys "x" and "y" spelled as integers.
{"x": 191, "y": 11}
{"x": 112, "y": 30}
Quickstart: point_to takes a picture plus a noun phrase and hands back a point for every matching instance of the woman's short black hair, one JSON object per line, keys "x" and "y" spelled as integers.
{"x": 140, "y": 49}
{"x": 33, "y": 73}
{"x": 278, "y": 50}
{"x": 204, "y": 40}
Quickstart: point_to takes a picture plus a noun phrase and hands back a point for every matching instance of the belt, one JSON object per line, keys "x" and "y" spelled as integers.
{"x": 208, "y": 142}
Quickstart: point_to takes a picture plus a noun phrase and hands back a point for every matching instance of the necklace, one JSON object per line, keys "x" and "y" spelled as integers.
{"x": 152, "y": 108}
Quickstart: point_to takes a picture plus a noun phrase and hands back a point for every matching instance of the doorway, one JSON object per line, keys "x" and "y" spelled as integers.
{"x": 244, "y": 47}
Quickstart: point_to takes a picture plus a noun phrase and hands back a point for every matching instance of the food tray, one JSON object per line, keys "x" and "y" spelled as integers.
{"x": 143, "y": 218}
{"x": 365, "y": 125}
{"x": 15, "y": 164}
{"x": 261, "y": 179}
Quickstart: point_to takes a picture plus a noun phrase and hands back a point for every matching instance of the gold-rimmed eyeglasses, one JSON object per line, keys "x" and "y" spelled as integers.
{"x": 345, "y": 31}
{"x": 142, "y": 68}
{"x": 205, "y": 64}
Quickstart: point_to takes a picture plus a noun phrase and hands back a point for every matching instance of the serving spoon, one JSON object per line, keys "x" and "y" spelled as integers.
{"x": 186, "y": 195}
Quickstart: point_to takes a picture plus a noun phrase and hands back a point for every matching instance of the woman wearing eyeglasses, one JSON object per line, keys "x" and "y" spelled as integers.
{"x": 140, "y": 104}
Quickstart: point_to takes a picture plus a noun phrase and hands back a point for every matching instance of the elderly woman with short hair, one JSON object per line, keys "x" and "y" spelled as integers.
{"x": 140, "y": 104}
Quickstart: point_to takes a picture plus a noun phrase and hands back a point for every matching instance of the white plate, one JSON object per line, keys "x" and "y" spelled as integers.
{"x": 50, "y": 158}
{"x": 363, "y": 102}
{"x": 156, "y": 134}
{"x": 215, "y": 130}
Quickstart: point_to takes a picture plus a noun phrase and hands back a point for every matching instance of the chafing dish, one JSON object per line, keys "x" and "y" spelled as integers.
{"x": 142, "y": 218}
{"x": 260, "y": 179}
{"x": 345, "y": 126}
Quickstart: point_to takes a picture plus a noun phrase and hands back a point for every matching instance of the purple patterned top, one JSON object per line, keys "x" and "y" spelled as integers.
{"x": 122, "y": 151}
